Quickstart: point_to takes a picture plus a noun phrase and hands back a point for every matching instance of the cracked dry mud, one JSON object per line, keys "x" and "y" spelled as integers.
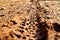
{"x": 30, "y": 21}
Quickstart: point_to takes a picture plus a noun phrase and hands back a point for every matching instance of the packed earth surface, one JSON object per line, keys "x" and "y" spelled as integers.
{"x": 30, "y": 20}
